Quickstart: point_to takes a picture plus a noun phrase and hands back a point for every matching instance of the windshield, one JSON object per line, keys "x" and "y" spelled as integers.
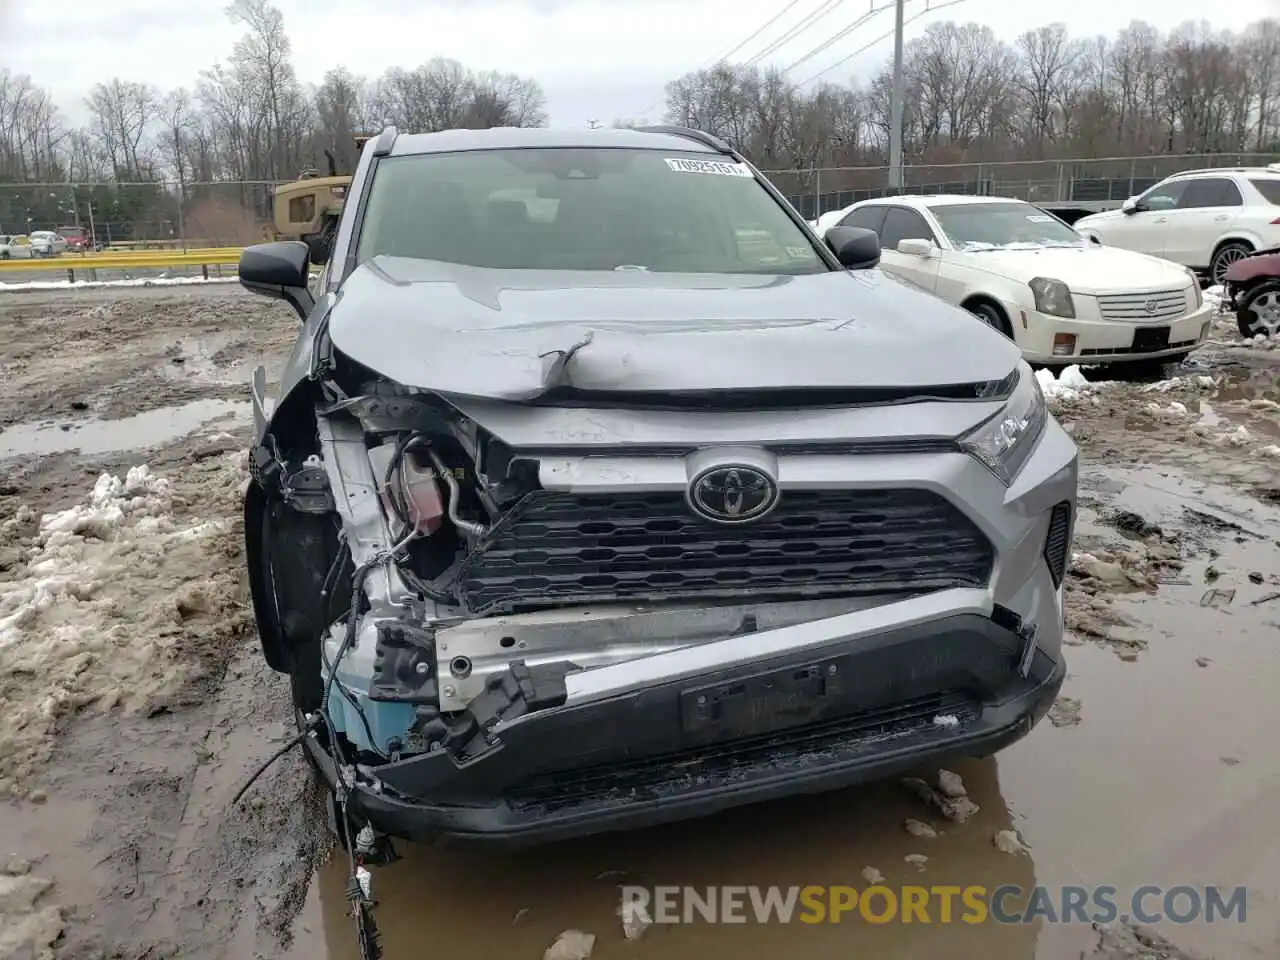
{"x": 995, "y": 226}
{"x": 582, "y": 209}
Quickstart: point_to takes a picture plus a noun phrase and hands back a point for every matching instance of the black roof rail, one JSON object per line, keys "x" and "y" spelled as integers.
{"x": 386, "y": 140}
{"x": 689, "y": 133}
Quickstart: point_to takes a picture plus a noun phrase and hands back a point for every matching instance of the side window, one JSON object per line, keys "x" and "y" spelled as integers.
{"x": 869, "y": 218}
{"x": 1211, "y": 192}
{"x": 1164, "y": 196}
{"x": 302, "y": 209}
{"x": 903, "y": 224}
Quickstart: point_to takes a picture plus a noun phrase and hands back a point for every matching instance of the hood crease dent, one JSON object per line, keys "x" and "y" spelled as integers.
{"x": 517, "y": 336}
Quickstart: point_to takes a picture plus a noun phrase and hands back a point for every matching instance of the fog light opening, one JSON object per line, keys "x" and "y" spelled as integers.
{"x": 1064, "y": 344}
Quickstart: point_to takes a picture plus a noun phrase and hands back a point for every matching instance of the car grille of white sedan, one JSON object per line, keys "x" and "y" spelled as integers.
{"x": 1142, "y": 307}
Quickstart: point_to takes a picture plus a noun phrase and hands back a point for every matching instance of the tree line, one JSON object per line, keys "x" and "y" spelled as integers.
{"x": 970, "y": 97}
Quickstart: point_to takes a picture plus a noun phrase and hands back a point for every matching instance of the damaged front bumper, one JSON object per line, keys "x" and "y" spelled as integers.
{"x": 920, "y": 619}
{"x": 798, "y": 709}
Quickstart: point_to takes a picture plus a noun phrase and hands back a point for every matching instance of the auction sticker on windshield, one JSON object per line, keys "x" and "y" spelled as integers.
{"x": 1039, "y": 218}
{"x": 718, "y": 167}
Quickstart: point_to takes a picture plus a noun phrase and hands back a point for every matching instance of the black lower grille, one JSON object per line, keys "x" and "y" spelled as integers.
{"x": 654, "y": 777}
{"x": 1057, "y": 542}
{"x": 564, "y": 548}
{"x": 1137, "y": 351}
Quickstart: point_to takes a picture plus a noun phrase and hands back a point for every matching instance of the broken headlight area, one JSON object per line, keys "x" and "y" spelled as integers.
{"x": 413, "y": 489}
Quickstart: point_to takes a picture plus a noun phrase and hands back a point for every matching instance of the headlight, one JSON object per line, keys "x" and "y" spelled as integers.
{"x": 1053, "y": 297}
{"x": 1004, "y": 442}
{"x": 1197, "y": 298}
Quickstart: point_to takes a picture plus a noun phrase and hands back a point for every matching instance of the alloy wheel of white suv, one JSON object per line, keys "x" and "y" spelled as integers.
{"x": 1225, "y": 256}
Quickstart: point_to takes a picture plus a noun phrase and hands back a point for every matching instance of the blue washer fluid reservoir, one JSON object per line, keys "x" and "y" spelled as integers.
{"x": 385, "y": 721}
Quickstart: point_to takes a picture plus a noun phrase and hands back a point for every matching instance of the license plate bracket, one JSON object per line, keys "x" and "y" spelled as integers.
{"x": 1150, "y": 339}
{"x": 763, "y": 703}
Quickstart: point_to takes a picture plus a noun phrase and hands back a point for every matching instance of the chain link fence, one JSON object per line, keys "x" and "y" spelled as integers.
{"x": 1097, "y": 181}
{"x": 168, "y": 214}
{"x": 159, "y": 215}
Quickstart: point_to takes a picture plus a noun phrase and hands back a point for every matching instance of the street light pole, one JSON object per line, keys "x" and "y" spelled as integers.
{"x": 895, "y": 106}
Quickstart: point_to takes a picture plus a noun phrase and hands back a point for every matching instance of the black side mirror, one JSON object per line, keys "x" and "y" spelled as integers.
{"x": 855, "y": 247}
{"x": 279, "y": 270}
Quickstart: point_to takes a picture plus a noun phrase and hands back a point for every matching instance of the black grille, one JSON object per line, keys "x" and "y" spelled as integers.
{"x": 655, "y": 777}
{"x": 1107, "y": 351}
{"x": 562, "y": 548}
{"x": 1057, "y": 542}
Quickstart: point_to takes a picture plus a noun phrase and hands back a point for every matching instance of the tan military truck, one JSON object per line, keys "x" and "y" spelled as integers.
{"x": 308, "y": 208}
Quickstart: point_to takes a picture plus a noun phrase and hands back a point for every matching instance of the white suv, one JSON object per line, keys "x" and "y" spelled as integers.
{"x": 1203, "y": 219}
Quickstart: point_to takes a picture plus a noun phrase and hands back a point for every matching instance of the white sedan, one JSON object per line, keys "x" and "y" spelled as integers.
{"x": 1061, "y": 298}
{"x": 14, "y": 247}
{"x": 46, "y": 243}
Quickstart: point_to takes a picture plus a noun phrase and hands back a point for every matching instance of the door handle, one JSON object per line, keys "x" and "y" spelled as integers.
{"x": 1161, "y": 220}
{"x": 1222, "y": 216}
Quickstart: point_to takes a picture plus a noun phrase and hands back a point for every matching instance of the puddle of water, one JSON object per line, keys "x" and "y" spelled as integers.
{"x": 192, "y": 359}
{"x": 130, "y": 433}
{"x": 1138, "y": 792}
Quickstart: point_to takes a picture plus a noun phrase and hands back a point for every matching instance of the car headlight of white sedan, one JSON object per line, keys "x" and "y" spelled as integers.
{"x": 1053, "y": 297}
{"x": 1003, "y": 443}
{"x": 1197, "y": 297}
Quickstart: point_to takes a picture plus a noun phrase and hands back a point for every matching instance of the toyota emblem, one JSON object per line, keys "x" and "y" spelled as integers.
{"x": 733, "y": 493}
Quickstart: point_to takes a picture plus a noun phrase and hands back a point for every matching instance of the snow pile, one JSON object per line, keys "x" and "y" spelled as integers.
{"x": 119, "y": 602}
{"x": 1213, "y": 295}
{"x": 96, "y": 284}
{"x": 29, "y": 926}
{"x": 1174, "y": 411}
{"x": 1194, "y": 382}
{"x": 1225, "y": 435}
{"x": 1069, "y": 383}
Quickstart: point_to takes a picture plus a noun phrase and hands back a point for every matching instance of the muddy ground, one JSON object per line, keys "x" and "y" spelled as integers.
{"x": 134, "y": 703}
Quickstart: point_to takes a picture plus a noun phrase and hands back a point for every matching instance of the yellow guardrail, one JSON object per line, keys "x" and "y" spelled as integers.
{"x": 75, "y": 263}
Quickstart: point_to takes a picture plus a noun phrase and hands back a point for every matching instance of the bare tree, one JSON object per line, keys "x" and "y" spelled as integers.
{"x": 970, "y": 99}
{"x": 123, "y": 113}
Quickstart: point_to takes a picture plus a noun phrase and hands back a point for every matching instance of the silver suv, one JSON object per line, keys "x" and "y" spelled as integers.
{"x": 600, "y": 491}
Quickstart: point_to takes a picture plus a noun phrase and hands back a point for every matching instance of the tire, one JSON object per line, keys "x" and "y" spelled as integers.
{"x": 1259, "y": 310}
{"x": 309, "y": 548}
{"x": 1226, "y": 255}
{"x": 991, "y": 315}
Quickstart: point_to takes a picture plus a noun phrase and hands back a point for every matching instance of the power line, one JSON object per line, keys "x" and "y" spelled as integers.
{"x": 761, "y": 29}
{"x": 884, "y": 36}
{"x": 837, "y": 37}
{"x": 769, "y": 23}
{"x": 822, "y": 10}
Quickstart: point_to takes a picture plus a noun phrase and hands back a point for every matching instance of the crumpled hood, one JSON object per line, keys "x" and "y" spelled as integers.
{"x": 1087, "y": 269}
{"x": 506, "y": 335}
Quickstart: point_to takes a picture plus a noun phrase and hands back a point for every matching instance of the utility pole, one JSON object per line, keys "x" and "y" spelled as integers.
{"x": 895, "y": 107}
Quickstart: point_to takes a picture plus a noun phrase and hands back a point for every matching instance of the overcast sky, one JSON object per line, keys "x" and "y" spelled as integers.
{"x": 596, "y": 60}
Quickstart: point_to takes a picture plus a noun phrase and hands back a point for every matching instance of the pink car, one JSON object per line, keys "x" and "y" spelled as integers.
{"x": 1252, "y": 287}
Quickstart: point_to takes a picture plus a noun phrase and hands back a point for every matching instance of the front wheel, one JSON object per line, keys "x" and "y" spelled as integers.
{"x": 1259, "y": 311}
{"x": 992, "y": 316}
